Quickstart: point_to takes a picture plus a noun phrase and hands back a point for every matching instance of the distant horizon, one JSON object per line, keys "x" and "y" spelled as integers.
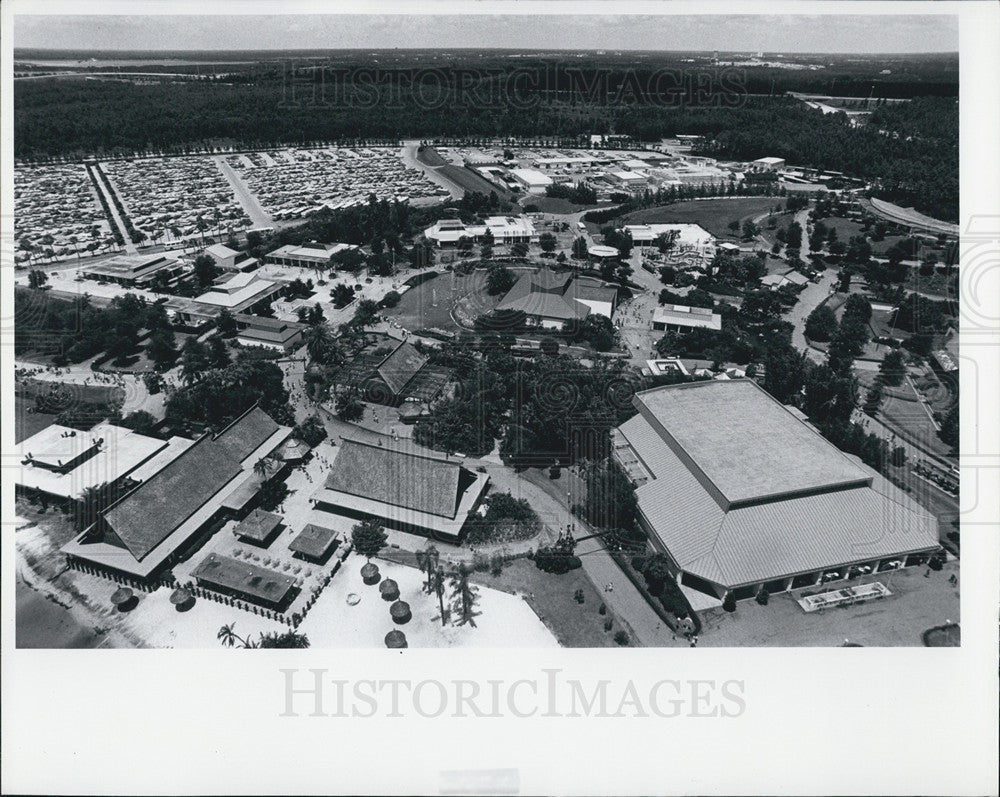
{"x": 473, "y": 49}
{"x": 799, "y": 35}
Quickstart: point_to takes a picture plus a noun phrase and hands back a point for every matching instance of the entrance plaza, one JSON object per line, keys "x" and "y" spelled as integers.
{"x": 916, "y": 604}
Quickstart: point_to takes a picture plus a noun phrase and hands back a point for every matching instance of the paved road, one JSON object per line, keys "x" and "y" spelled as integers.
{"x": 811, "y": 297}
{"x": 257, "y": 214}
{"x": 105, "y": 185}
{"x": 409, "y": 155}
{"x": 624, "y": 600}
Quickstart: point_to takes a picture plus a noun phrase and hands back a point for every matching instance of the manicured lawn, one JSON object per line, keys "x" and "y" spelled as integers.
{"x": 429, "y": 304}
{"x": 714, "y": 215}
{"x": 27, "y": 423}
{"x": 552, "y": 204}
{"x": 846, "y": 228}
{"x": 575, "y": 625}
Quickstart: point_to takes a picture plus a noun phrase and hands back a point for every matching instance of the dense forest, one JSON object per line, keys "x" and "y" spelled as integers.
{"x": 910, "y": 149}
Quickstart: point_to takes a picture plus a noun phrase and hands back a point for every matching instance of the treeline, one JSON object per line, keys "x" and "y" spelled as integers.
{"x": 910, "y": 150}
{"x": 548, "y": 409}
{"x": 74, "y": 330}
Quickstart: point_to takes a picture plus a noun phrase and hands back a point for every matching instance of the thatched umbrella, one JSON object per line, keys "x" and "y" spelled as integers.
{"x": 370, "y": 574}
{"x": 121, "y": 596}
{"x": 180, "y": 596}
{"x": 389, "y": 590}
{"x": 395, "y": 639}
{"x": 400, "y": 612}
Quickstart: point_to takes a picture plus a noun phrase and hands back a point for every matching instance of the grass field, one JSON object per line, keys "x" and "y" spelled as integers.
{"x": 575, "y": 625}
{"x": 429, "y": 304}
{"x": 28, "y": 423}
{"x": 846, "y": 228}
{"x": 713, "y": 215}
{"x": 552, "y": 204}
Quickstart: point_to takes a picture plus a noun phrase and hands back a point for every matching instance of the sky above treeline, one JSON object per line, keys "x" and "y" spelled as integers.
{"x": 727, "y": 33}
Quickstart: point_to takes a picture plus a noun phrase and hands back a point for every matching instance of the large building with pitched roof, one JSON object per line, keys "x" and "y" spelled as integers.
{"x": 140, "y": 535}
{"x": 406, "y": 488}
{"x": 550, "y": 299}
{"x": 391, "y": 375}
{"x": 741, "y": 494}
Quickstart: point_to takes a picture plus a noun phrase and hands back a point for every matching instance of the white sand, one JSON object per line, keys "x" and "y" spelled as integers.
{"x": 503, "y": 620}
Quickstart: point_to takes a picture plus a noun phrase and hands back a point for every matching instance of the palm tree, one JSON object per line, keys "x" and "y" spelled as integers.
{"x": 263, "y": 467}
{"x": 322, "y": 346}
{"x": 464, "y": 592}
{"x": 228, "y": 637}
{"x": 437, "y": 586}
{"x": 428, "y": 561}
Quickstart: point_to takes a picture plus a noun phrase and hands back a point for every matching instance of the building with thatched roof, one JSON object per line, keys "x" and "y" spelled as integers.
{"x": 314, "y": 542}
{"x": 151, "y": 526}
{"x": 402, "y": 486}
{"x": 395, "y": 375}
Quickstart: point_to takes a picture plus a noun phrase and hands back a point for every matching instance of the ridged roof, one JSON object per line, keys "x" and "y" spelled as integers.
{"x": 396, "y": 477}
{"x": 751, "y": 543}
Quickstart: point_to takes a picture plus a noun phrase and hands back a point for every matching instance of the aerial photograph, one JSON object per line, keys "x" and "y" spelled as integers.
{"x": 551, "y": 333}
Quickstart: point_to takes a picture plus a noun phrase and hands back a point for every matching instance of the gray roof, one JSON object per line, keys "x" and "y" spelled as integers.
{"x": 550, "y": 295}
{"x": 401, "y": 366}
{"x": 742, "y": 444}
{"x": 397, "y": 477}
{"x": 313, "y": 540}
{"x": 143, "y": 518}
{"x": 258, "y": 525}
{"x": 755, "y": 542}
{"x": 244, "y": 577}
{"x": 146, "y": 516}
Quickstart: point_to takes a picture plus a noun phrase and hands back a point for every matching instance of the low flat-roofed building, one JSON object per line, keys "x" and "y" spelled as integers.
{"x": 405, "y": 488}
{"x": 245, "y": 580}
{"x": 63, "y": 462}
{"x": 132, "y": 270}
{"x": 270, "y": 333}
{"x": 562, "y": 161}
{"x": 533, "y": 180}
{"x": 630, "y": 179}
{"x": 769, "y": 164}
{"x": 147, "y": 529}
{"x": 504, "y": 229}
{"x": 689, "y": 236}
{"x": 741, "y": 495}
{"x": 238, "y": 292}
{"x": 313, "y": 255}
{"x": 224, "y": 257}
{"x": 681, "y": 318}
